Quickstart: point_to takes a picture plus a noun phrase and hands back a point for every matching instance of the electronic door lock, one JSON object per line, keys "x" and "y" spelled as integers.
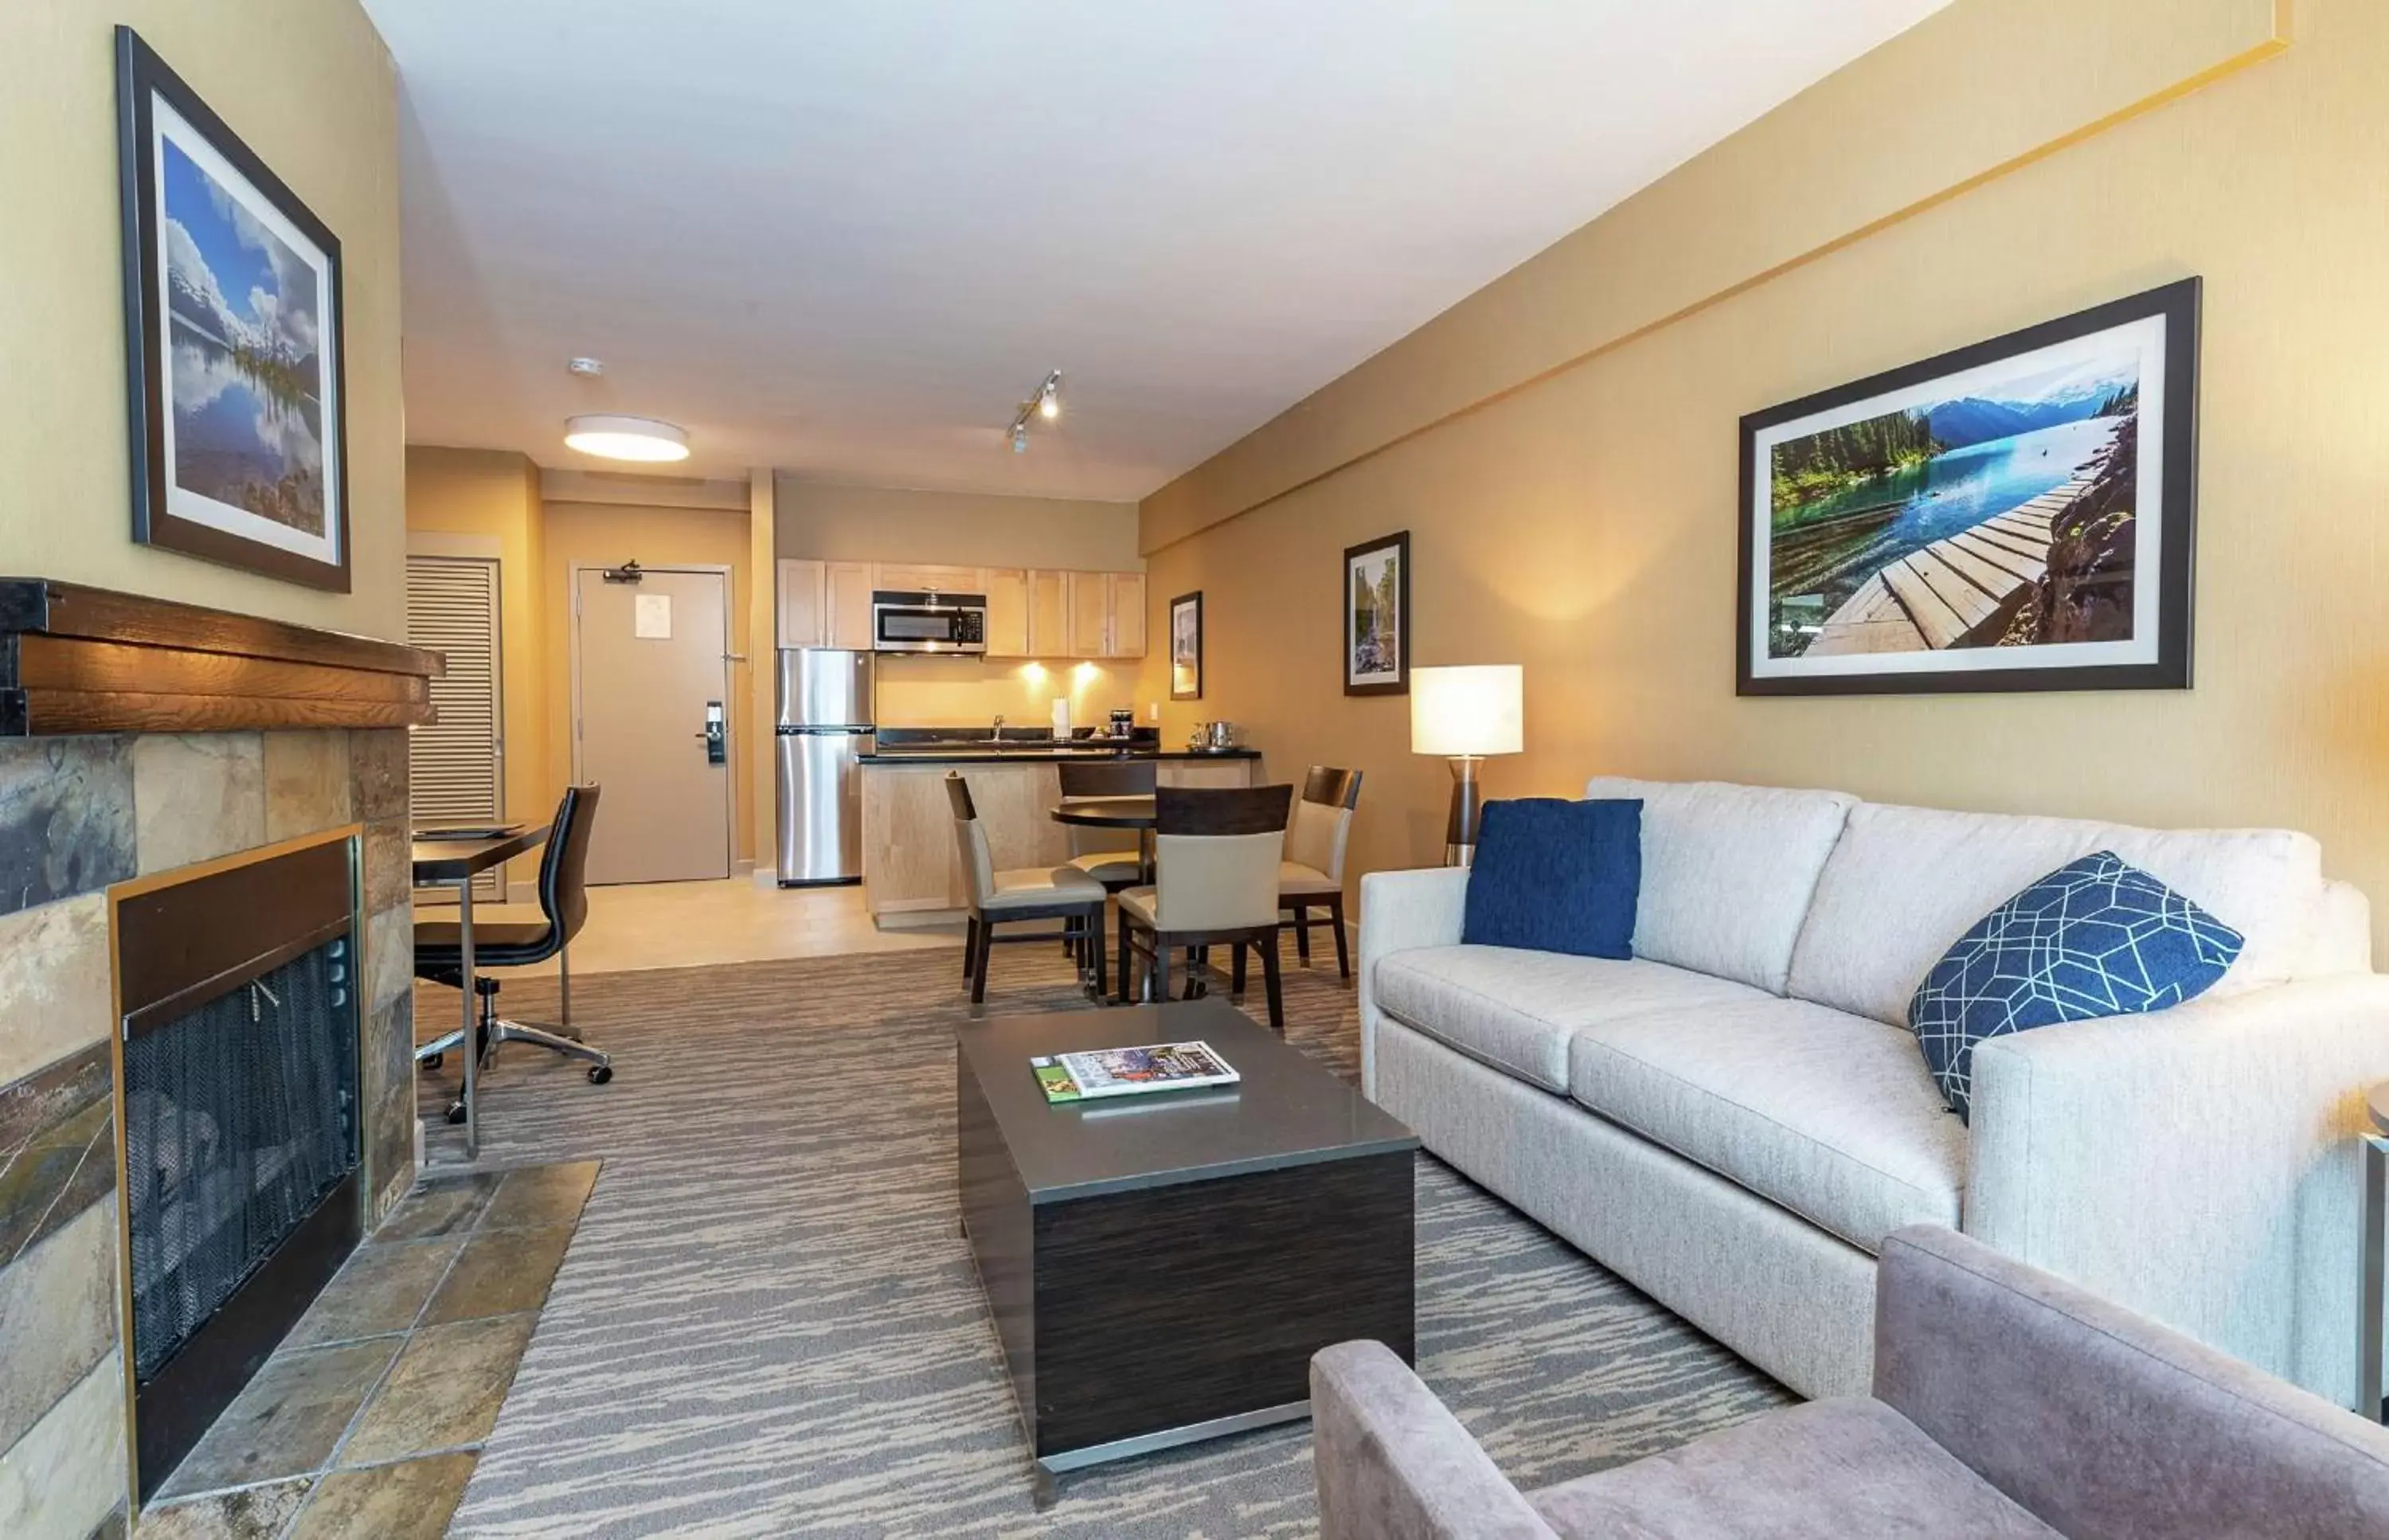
{"x": 716, "y": 736}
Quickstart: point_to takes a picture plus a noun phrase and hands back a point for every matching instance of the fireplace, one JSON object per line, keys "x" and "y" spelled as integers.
{"x": 237, "y": 994}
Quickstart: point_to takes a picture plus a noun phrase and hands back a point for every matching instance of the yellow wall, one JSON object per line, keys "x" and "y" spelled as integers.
{"x": 493, "y": 495}
{"x": 878, "y": 524}
{"x": 1583, "y": 523}
{"x": 309, "y": 86}
{"x": 960, "y": 692}
{"x": 881, "y": 524}
{"x": 594, "y": 534}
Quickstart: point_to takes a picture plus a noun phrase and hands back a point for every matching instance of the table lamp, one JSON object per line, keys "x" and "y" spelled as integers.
{"x": 1465, "y": 714}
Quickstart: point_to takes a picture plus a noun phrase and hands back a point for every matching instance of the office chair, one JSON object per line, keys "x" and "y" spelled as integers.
{"x": 564, "y": 899}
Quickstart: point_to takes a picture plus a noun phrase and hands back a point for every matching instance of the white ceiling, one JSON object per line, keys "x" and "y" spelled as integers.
{"x": 845, "y": 239}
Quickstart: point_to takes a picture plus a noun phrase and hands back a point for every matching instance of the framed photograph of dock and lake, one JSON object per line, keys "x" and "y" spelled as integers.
{"x": 233, "y": 331}
{"x": 2013, "y": 515}
{"x": 1186, "y": 646}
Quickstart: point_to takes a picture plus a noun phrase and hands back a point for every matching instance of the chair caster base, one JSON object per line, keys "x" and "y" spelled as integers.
{"x": 600, "y": 1074}
{"x": 456, "y": 1110}
{"x": 431, "y": 1061}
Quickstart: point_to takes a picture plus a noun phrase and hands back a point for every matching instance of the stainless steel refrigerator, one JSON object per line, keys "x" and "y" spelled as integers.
{"x": 825, "y": 722}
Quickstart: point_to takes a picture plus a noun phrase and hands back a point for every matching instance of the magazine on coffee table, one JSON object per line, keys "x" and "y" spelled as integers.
{"x": 1130, "y": 1071}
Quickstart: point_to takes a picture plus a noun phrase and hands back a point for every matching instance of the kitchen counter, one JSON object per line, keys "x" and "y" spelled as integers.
{"x": 988, "y": 754}
{"x": 911, "y": 866}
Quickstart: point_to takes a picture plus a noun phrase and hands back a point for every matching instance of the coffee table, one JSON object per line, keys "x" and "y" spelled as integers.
{"x": 1160, "y": 1269}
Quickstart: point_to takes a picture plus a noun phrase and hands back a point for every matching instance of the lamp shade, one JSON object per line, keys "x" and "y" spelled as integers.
{"x": 1477, "y": 709}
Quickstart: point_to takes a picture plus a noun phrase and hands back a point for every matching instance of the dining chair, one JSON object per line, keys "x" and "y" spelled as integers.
{"x": 1312, "y": 874}
{"x": 1097, "y": 852}
{"x": 564, "y": 905}
{"x": 1216, "y": 853}
{"x": 1062, "y": 893}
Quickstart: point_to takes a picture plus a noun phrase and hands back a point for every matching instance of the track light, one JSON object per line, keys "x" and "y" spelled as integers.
{"x": 1045, "y": 401}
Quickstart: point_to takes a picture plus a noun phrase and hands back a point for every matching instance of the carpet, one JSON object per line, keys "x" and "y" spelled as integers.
{"x": 767, "y": 1324}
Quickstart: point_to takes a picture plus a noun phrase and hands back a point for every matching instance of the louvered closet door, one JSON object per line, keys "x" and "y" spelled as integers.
{"x": 458, "y": 762}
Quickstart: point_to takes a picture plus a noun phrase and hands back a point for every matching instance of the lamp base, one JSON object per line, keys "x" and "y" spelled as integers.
{"x": 1467, "y": 811}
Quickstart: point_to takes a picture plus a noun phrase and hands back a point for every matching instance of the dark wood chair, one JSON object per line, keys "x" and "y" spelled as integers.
{"x": 1313, "y": 875}
{"x": 1217, "y": 855}
{"x": 1107, "y": 863}
{"x": 1011, "y": 898}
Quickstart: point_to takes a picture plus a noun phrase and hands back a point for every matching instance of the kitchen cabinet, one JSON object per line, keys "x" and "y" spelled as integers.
{"x": 804, "y": 617}
{"x": 1106, "y": 614}
{"x": 915, "y": 577}
{"x": 1007, "y": 613}
{"x": 845, "y": 604}
{"x": 1049, "y": 614}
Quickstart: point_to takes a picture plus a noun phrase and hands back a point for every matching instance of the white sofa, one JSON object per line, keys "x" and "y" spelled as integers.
{"x": 1737, "y": 1117}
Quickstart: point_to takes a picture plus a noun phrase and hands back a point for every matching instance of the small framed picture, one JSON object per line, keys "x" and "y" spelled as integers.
{"x": 1377, "y": 616}
{"x": 1186, "y": 646}
{"x": 233, "y": 332}
{"x": 2013, "y": 515}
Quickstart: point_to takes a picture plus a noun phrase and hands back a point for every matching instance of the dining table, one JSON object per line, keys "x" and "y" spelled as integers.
{"x": 454, "y": 858}
{"x": 1114, "y": 812}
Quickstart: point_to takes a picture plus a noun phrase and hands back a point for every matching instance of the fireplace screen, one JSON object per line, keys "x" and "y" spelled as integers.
{"x": 240, "y": 1118}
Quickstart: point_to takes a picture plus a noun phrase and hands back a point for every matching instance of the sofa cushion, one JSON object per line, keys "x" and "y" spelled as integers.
{"x": 1556, "y": 876}
{"x": 1516, "y": 1010}
{"x": 2095, "y": 938}
{"x": 1843, "y": 1469}
{"x": 1727, "y": 872}
{"x": 1834, "y": 1117}
{"x": 1904, "y": 884}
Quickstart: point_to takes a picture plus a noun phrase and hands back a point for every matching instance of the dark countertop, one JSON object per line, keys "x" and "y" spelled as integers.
{"x": 963, "y": 754}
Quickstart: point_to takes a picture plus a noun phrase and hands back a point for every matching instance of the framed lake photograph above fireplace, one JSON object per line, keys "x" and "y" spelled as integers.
{"x": 232, "y": 321}
{"x": 2013, "y": 515}
{"x": 1377, "y": 616}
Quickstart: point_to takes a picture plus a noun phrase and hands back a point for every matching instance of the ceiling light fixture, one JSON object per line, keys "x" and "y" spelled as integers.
{"x": 587, "y": 368}
{"x": 1044, "y": 402}
{"x": 611, "y": 438}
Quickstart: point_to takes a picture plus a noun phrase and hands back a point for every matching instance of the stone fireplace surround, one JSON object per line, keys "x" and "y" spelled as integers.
{"x": 80, "y": 813}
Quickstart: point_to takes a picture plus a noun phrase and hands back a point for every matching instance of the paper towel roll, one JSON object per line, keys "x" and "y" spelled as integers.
{"x": 1061, "y": 717}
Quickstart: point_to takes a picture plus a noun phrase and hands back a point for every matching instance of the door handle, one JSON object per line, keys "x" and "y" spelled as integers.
{"x": 716, "y": 736}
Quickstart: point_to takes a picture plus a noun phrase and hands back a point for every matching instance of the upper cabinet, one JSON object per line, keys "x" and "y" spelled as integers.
{"x": 847, "y": 588}
{"x": 804, "y": 619}
{"x": 1105, "y": 614}
{"x": 1030, "y": 613}
{"x": 1007, "y": 613}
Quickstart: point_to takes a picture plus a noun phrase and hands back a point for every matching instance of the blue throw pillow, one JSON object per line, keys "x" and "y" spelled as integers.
{"x": 2095, "y": 938}
{"x": 1556, "y": 876}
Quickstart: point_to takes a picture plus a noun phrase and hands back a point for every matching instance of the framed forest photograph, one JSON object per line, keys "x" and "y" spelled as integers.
{"x": 1377, "y": 616}
{"x": 232, "y": 321}
{"x": 1186, "y": 647}
{"x": 2013, "y": 515}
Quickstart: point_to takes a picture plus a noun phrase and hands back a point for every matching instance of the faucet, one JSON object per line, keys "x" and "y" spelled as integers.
{"x": 997, "y": 736}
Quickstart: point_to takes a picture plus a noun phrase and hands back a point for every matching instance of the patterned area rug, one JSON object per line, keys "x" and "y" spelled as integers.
{"x": 768, "y": 1325}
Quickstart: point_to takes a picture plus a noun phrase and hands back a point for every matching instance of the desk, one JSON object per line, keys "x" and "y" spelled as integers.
{"x": 454, "y": 863}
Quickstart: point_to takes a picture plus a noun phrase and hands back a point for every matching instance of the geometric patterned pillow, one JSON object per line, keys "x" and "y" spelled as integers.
{"x": 2095, "y": 938}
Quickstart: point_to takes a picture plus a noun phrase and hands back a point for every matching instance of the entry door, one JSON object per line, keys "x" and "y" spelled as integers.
{"x": 651, "y": 693}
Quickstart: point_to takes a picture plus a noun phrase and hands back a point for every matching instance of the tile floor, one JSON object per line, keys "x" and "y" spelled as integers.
{"x": 696, "y": 925}
{"x": 368, "y": 1419}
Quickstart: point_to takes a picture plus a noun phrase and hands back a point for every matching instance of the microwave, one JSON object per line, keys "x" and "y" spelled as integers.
{"x": 904, "y": 622}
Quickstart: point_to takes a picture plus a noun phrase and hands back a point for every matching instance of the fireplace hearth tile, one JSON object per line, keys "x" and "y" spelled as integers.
{"x": 57, "y": 1317}
{"x": 65, "y": 818}
{"x": 443, "y": 1393}
{"x": 409, "y": 1501}
{"x": 66, "y": 1475}
{"x": 378, "y": 1292}
{"x": 501, "y": 1272}
{"x": 287, "y": 1420}
{"x": 378, "y": 773}
{"x": 307, "y": 780}
{"x": 251, "y": 1513}
{"x": 55, "y": 996}
{"x": 539, "y": 1196}
{"x": 443, "y": 1205}
{"x": 197, "y": 796}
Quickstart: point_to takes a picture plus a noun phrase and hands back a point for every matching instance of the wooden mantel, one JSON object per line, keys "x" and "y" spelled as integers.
{"x": 76, "y": 660}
